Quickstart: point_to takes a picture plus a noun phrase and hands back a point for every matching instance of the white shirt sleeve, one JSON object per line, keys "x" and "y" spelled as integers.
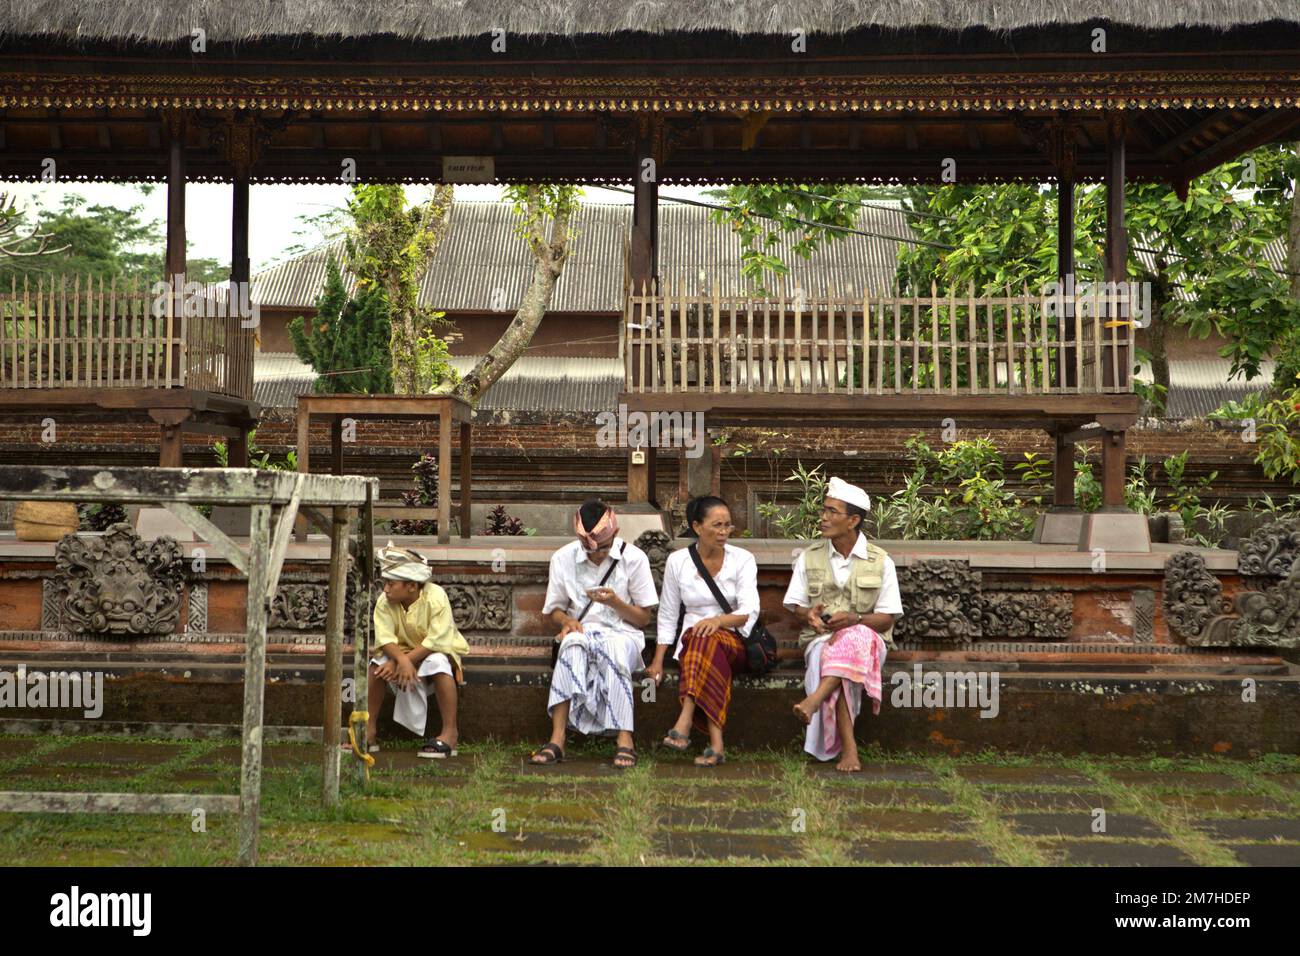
{"x": 640, "y": 582}
{"x": 670, "y": 602}
{"x": 557, "y": 597}
{"x": 747, "y": 590}
{"x": 888, "y": 601}
{"x": 796, "y": 595}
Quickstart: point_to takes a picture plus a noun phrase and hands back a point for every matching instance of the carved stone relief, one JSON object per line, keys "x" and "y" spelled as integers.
{"x": 116, "y": 583}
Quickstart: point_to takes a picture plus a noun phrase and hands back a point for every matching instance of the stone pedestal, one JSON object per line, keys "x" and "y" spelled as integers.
{"x": 634, "y": 519}
{"x": 1059, "y": 525}
{"x": 1115, "y": 529}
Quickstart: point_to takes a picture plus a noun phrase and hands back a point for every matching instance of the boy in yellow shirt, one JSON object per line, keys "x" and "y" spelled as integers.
{"x": 418, "y": 649}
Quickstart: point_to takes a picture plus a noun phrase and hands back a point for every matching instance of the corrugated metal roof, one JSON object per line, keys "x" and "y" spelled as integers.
{"x": 484, "y": 266}
{"x": 1199, "y": 386}
{"x": 533, "y": 384}
{"x": 695, "y": 251}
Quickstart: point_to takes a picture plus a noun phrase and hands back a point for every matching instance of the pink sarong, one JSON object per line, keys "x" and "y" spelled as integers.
{"x": 856, "y": 656}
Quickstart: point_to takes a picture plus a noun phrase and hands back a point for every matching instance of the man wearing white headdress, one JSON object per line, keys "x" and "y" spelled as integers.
{"x": 845, "y": 593}
{"x": 418, "y": 650}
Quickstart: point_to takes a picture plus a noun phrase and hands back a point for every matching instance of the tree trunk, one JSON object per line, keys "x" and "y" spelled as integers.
{"x": 434, "y": 219}
{"x": 550, "y": 256}
{"x": 1156, "y": 331}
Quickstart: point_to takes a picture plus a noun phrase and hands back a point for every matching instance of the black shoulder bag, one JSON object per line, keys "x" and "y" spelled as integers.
{"x": 613, "y": 563}
{"x": 760, "y": 646}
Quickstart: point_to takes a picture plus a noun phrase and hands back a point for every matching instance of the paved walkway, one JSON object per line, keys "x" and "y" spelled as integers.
{"x": 490, "y": 806}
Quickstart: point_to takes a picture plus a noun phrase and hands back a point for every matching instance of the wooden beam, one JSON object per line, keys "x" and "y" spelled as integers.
{"x": 444, "y": 479}
{"x": 340, "y": 529}
{"x": 250, "y": 768}
{"x": 1112, "y": 469}
{"x": 1063, "y": 473}
{"x": 220, "y": 542}
{"x": 63, "y": 801}
{"x": 1067, "y": 372}
{"x": 280, "y": 542}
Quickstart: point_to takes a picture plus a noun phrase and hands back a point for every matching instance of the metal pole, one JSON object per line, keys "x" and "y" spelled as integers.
{"x": 339, "y": 530}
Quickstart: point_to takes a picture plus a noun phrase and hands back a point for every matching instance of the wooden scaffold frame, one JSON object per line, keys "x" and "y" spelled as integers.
{"x": 274, "y": 500}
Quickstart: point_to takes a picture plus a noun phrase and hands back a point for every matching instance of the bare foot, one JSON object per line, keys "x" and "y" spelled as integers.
{"x": 804, "y": 711}
{"x": 849, "y": 765}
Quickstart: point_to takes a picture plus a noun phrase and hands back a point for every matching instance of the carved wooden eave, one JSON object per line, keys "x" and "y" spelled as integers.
{"x": 670, "y": 94}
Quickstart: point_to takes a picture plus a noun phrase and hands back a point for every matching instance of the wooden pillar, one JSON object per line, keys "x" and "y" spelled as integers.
{"x": 239, "y": 263}
{"x": 643, "y": 253}
{"x": 1067, "y": 370}
{"x": 340, "y": 529}
{"x": 361, "y": 622}
{"x": 237, "y": 449}
{"x": 304, "y": 461}
{"x": 641, "y": 477}
{"x": 1112, "y": 469}
{"x": 1116, "y": 250}
{"x": 444, "y": 477}
{"x": 1063, "y": 474}
{"x": 174, "y": 266}
{"x": 466, "y": 485}
{"x": 336, "y": 444}
{"x": 169, "y": 446}
{"x": 250, "y": 773}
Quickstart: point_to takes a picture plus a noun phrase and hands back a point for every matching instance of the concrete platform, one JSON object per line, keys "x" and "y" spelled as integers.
{"x": 1133, "y": 711}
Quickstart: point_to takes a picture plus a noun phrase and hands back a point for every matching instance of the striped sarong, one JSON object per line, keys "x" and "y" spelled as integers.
{"x": 707, "y": 664}
{"x": 594, "y": 674}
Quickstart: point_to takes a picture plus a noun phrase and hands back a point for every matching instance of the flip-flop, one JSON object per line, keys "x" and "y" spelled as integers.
{"x": 674, "y": 735}
{"x": 624, "y": 752}
{"x": 552, "y": 753}
{"x": 708, "y": 753}
{"x": 438, "y": 749}
{"x": 347, "y": 748}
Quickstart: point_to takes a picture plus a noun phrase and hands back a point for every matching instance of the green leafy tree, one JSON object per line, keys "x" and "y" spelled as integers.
{"x": 347, "y": 342}
{"x": 389, "y": 247}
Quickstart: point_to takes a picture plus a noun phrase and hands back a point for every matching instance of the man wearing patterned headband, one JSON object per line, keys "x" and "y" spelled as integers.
{"x": 599, "y": 594}
{"x": 418, "y": 649}
{"x": 845, "y": 593}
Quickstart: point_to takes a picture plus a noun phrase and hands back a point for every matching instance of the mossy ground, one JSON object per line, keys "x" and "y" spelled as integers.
{"x": 489, "y": 806}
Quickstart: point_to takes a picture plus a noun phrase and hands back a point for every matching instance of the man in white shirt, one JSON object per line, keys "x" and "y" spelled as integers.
{"x": 842, "y": 590}
{"x": 599, "y": 595}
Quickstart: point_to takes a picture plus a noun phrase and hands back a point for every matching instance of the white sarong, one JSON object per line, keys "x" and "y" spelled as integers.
{"x": 594, "y": 674}
{"x": 814, "y": 739}
{"x": 411, "y": 708}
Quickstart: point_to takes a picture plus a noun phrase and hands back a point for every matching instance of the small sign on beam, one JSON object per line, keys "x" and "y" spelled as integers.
{"x": 468, "y": 169}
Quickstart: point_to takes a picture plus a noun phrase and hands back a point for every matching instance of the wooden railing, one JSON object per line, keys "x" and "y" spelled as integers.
{"x": 92, "y": 333}
{"x": 865, "y": 344}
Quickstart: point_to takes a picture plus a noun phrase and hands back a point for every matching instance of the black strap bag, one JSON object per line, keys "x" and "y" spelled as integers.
{"x": 760, "y": 646}
{"x": 555, "y": 645}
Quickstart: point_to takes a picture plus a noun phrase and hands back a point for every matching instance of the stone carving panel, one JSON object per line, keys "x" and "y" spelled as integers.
{"x": 116, "y": 583}
{"x": 481, "y": 607}
{"x": 657, "y": 546}
{"x": 1271, "y": 551}
{"x": 1198, "y": 612}
{"x": 941, "y": 600}
{"x": 1015, "y": 614}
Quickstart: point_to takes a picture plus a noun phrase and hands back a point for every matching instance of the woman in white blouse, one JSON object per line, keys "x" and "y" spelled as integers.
{"x": 711, "y": 648}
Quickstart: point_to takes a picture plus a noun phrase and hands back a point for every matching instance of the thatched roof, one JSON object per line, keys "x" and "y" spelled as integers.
{"x": 432, "y": 20}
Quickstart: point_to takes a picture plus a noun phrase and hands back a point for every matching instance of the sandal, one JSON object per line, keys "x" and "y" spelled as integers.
{"x": 681, "y": 748}
{"x": 710, "y": 758}
{"x": 437, "y": 749}
{"x": 627, "y": 753}
{"x": 550, "y": 753}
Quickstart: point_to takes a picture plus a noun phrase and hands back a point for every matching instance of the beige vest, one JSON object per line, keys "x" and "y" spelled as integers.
{"x": 859, "y": 593}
